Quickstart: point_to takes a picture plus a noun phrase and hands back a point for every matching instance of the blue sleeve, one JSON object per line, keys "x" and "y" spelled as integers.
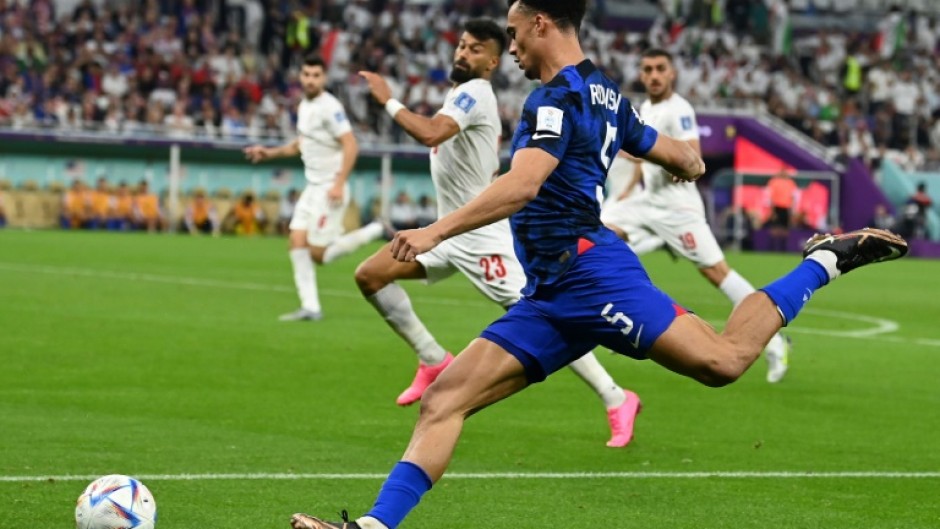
{"x": 547, "y": 123}
{"x": 638, "y": 137}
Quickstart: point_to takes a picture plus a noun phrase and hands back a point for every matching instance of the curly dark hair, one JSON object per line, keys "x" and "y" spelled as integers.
{"x": 485, "y": 29}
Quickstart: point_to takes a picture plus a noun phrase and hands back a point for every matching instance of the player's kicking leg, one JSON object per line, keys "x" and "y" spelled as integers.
{"x": 689, "y": 236}
{"x": 692, "y": 348}
{"x": 376, "y": 278}
{"x": 736, "y": 288}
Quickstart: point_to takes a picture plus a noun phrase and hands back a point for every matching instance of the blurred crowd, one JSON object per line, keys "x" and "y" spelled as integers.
{"x": 227, "y": 68}
{"x": 122, "y": 206}
{"x": 867, "y": 94}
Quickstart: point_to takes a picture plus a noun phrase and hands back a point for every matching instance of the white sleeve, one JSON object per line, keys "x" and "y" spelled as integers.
{"x": 684, "y": 123}
{"x": 337, "y": 123}
{"x": 463, "y": 104}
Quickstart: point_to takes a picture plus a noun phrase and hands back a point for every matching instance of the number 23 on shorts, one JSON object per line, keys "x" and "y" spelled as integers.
{"x": 493, "y": 267}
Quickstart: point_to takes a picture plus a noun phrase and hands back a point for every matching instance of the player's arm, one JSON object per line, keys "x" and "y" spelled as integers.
{"x": 505, "y": 196}
{"x": 637, "y": 176}
{"x": 430, "y": 132}
{"x": 679, "y": 158}
{"x": 350, "y": 152}
{"x": 257, "y": 153}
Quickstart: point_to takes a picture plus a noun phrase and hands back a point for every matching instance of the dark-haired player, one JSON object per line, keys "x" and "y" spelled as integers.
{"x": 672, "y": 213}
{"x": 326, "y": 144}
{"x": 464, "y": 137}
{"x": 585, "y": 286}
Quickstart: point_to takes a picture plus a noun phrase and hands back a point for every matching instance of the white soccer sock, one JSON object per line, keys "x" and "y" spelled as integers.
{"x": 591, "y": 371}
{"x": 305, "y": 279}
{"x": 368, "y": 522}
{"x": 352, "y": 241}
{"x": 828, "y": 261}
{"x": 393, "y": 304}
{"x": 736, "y": 287}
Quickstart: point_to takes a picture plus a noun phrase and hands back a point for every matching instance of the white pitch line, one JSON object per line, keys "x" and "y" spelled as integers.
{"x": 199, "y": 282}
{"x": 880, "y": 325}
{"x": 502, "y": 476}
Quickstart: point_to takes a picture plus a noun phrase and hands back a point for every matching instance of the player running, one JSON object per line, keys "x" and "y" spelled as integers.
{"x": 584, "y": 285}
{"x": 464, "y": 137}
{"x": 672, "y": 213}
{"x": 328, "y": 148}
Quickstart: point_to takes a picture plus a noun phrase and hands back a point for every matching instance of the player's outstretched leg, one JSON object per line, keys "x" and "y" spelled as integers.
{"x": 376, "y": 278}
{"x": 483, "y": 374}
{"x": 692, "y": 348}
{"x": 736, "y": 288}
{"x": 622, "y": 405}
{"x": 352, "y": 241}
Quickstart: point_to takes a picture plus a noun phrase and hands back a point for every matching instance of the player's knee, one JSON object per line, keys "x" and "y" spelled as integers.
{"x": 297, "y": 239}
{"x": 437, "y": 404}
{"x": 719, "y": 373}
{"x": 716, "y": 273}
{"x": 369, "y": 279}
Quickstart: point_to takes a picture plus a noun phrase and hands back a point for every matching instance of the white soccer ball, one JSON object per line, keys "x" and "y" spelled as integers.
{"x": 116, "y": 502}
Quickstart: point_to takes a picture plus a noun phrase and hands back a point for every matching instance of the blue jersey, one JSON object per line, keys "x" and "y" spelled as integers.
{"x": 581, "y": 118}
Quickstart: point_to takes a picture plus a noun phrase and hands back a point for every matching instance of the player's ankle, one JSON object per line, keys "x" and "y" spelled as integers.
{"x": 368, "y": 522}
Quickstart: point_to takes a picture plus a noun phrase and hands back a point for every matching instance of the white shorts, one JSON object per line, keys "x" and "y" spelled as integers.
{"x": 314, "y": 214}
{"x": 684, "y": 230}
{"x": 486, "y": 257}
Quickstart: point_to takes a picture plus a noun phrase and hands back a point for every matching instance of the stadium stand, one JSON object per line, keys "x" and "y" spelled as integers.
{"x": 862, "y": 82}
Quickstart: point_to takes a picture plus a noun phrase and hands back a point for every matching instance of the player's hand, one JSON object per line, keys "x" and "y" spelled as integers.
{"x": 255, "y": 153}
{"x": 379, "y": 87}
{"x": 408, "y": 244}
{"x": 335, "y": 195}
{"x": 699, "y": 172}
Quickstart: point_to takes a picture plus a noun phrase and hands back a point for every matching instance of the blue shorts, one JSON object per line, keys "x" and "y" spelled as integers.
{"x": 605, "y": 298}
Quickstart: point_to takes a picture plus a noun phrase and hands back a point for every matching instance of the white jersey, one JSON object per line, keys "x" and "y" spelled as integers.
{"x": 464, "y": 165}
{"x": 673, "y": 117}
{"x": 320, "y": 123}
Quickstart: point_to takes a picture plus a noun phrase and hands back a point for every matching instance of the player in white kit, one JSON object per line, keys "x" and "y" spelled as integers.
{"x": 326, "y": 145}
{"x": 464, "y": 139}
{"x": 667, "y": 212}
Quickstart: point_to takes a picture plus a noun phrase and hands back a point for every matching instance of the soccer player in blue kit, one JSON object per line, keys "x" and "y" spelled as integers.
{"x": 585, "y": 287}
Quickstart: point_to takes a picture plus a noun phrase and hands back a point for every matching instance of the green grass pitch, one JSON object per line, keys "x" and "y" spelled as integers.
{"x": 162, "y": 356}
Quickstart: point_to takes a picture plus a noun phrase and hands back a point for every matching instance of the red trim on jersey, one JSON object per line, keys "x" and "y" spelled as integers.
{"x": 679, "y": 310}
{"x": 584, "y": 245}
